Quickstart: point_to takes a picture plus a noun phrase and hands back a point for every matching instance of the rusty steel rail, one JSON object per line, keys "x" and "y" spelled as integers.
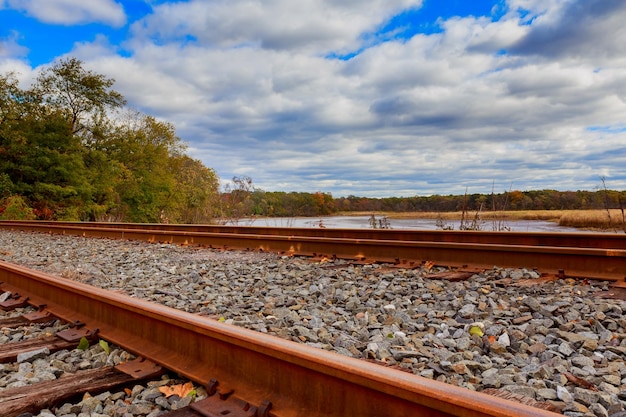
{"x": 260, "y": 369}
{"x": 557, "y": 239}
{"x": 571, "y": 261}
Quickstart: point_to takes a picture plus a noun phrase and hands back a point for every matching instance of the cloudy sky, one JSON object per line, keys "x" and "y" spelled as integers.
{"x": 352, "y": 97}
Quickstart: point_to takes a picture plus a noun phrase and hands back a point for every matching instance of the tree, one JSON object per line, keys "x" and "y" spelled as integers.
{"x": 236, "y": 201}
{"x": 64, "y": 156}
{"x": 197, "y": 192}
{"x": 80, "y": 93}
{"x": 144, "y": 147}
{"x": 11, "y": 100}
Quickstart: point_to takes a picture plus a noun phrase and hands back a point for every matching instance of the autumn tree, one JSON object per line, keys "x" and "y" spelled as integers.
{"x": 80, "y": 93}
{"x": 197, "y": 192}
{"x": 67, "y": 152}
{"x": 236, "y": 201}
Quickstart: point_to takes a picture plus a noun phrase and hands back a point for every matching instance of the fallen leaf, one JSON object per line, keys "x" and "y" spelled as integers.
{"x": 474, "y": 329}
{"x": 428, "y": 265}
{"x": 579, "y": 381}
{"x": 182, "y": 390}
{"x": 83, "y": 344}
{"x": 105, "y": 346}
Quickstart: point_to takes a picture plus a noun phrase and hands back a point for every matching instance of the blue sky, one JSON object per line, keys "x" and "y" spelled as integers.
{"x": 399, "y": 98}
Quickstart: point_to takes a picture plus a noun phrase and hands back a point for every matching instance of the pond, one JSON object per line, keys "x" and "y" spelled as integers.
{"x": 363, "y": 222}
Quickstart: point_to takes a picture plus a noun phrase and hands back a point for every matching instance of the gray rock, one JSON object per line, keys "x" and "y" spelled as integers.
{"x": 585, "y": 396}
{"x": 33, "y": 355}
{"x": 565, "y": 349}
{"x": 540, "y": 331}
{"x": 598, "y": 410}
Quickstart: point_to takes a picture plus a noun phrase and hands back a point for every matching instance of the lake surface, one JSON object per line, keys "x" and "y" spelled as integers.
{"x": 363, "y": 222}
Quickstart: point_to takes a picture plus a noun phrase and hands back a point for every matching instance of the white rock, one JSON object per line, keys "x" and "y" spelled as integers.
{"x": 563, "y": 394}
{"x": 504, "y": 339}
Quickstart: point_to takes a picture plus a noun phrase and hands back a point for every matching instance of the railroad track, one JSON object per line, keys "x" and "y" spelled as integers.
{"x": 584, "y": 255}
{"x": 252, "y": 374}
{"x": 245, "y": 373}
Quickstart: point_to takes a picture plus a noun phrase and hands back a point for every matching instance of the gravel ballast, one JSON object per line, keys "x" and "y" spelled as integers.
{"x": 560, "y": 342}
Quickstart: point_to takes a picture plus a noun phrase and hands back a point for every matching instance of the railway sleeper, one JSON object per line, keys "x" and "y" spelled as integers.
{"x": 18, "y": 401}
{"x": 41, "y": 317}
{"x": 31, "y": 399}
{"x": 10, "y": 351}
{"x": 66, "y": 339}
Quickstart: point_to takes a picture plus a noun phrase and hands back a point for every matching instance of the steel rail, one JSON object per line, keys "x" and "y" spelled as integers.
{"x": 296, "y": 379}
{"x": 558, "y": 239}
{"x": 596, "y": 263}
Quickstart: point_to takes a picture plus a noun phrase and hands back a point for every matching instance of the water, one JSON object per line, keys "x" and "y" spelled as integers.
{"x": 363, "y": 222}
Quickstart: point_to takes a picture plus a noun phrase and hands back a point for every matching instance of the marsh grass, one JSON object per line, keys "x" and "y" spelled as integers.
{"x": 612, "y": 219}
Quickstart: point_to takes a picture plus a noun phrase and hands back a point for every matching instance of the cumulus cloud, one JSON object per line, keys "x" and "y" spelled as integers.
{"x": 71, "y": 12}
{"x": 306, "y": 25}
{"x": 524, "y": 100}
{"x": 592, "y": 28}
{"x": 10, "y": 47}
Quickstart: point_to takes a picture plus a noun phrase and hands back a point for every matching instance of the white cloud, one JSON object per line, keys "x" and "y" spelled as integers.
{"x": 250, "y": 89}
{"x": 307, "y": 25}
{"x": 10, "y": 48}
{"x": 72, "y": 12}
{"x": 591, "y": 29}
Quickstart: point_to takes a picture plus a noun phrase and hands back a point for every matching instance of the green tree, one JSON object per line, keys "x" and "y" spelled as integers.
{"x": 146, "y": 184}
{"x": 65, "y": 156}
{"x": 57, "y": 177}
{"x": 81, "y": 93}
{"x": 197, "y": 192}
{"x": 41, "y": 157}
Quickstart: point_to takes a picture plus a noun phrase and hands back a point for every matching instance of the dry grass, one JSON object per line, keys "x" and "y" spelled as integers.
{"x": 594, "y": 219}
{"x": 583, "y": 219}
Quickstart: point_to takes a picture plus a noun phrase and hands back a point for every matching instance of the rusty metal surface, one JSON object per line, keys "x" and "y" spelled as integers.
{"x": 15, "y": 301}
{"x": 297, "y": 379}
{"x": 140, "y": 368}
{"x": 571, "y": 261}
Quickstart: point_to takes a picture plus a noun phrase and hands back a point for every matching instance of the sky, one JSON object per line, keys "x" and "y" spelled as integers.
{"x": 375, "y": 98}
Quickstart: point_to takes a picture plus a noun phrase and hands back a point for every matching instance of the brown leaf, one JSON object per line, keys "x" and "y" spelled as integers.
{"x": 428, "y": 265}
{"x": 182, "y": 390}
{"x": 579, "y": 381}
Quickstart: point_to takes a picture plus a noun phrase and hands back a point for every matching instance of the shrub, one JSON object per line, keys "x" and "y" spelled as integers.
{"x": 15, "y": 208}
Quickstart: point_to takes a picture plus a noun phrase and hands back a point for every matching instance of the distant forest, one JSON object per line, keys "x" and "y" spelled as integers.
{"x": 261, "y": 203}
{"x": 71, "y": 150}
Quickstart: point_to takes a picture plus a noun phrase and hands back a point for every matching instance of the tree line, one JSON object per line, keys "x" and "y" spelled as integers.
{"x": 256, "y": 202}
{"x": 508, "y": 200}
{"x": 71, "y": 150}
